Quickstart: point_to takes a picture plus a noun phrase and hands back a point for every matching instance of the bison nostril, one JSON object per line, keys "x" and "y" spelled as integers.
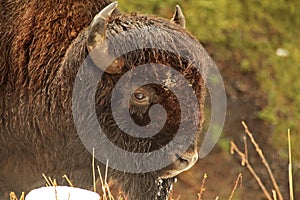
{"x": 187, "y": 159}
{"x": 182, "y": 160}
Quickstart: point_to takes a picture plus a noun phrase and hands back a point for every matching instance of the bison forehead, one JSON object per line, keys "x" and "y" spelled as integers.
{"x": 166, "y": 41}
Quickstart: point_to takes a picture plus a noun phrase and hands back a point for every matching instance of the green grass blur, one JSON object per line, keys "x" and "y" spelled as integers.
{"x": 256, "y": 36}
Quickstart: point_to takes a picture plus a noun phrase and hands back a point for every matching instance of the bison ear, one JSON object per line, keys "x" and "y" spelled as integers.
{"x": 97, "y": 44}
{"x": 97, "y": 29}
{"x": 178, "y": 17}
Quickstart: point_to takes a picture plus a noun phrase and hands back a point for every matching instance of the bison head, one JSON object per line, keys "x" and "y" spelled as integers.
{"x": 148, "y": 74}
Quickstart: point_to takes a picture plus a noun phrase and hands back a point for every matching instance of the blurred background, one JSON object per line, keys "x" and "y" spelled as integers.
{"x": 255, "y": 45}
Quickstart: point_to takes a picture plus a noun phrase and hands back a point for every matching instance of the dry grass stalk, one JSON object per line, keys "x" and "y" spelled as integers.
{"x": 106, "y": 171}
{"x": 246, "y": 163}
{"x": 274, "y": 195}
{"x": 105, "y": 187}
{"x": 238, "y": 180}
{"x": 22, "y": 196}
{"x": 56, "y": 196}
{"x": 170, "y": 197}
{"x": 245, "y": 148}
{"x": 68, "y": 180}
{"x": 49, "y": 181}
{"x": 46, "y": 179}
{"x": 13, "y": 196}
{"x": 102, "y": 183}
{"x": 266, "y": 164}
{"x": 53, "y": 182}
{"x": 202, "y": 189}
{"x": 290, "y": 167}
{"x": 178, "y": 197}
{"x": 93, "y": 170}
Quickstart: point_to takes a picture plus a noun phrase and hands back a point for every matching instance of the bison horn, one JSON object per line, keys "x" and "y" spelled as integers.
{"x": 97, "y": 32}
{"x": 97, "y": 38}
{"x": 178, "y": 17}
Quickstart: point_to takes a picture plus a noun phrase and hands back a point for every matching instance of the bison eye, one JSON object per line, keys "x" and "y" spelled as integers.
{"x": 139, "y": 96}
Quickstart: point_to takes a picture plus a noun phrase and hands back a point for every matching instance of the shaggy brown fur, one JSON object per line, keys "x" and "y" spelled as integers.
{"x": 42, "y": 45}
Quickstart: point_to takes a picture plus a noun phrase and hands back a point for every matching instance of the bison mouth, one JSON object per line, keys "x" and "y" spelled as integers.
{"x": 182, "y": 163}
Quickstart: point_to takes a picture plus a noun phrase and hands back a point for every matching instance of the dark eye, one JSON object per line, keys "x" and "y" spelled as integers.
{"x": 139, "y": 96}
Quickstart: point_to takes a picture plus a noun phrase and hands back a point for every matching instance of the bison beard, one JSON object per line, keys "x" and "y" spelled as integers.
{"x": 42, "y": 46}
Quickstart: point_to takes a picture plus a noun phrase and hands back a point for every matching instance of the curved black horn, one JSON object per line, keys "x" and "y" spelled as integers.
{"x": 98, "y": 26}
{"x": 178, "y": 17}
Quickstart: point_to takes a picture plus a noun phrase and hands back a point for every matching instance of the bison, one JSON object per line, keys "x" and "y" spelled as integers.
{"x": 44, "y": 44}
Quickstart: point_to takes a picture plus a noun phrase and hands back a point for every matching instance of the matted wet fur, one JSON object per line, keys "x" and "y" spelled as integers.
{"x": 42, "y": 46}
